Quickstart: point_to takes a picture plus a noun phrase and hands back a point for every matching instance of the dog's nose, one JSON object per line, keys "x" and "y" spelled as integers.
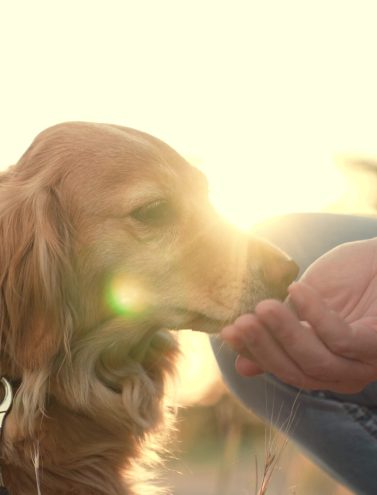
{"x": 279, "y": 269}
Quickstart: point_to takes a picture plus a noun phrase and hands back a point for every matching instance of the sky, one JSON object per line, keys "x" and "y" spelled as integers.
{"x": 263, "y": 96}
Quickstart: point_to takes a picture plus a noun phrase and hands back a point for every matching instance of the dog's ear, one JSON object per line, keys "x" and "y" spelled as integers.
{"x": 35, "y": 315}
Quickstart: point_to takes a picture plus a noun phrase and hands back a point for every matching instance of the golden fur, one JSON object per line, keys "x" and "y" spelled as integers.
{"x": 85, "y": 205}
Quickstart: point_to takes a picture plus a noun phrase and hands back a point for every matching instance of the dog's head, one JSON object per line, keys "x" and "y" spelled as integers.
{"x": 107, "y": 241}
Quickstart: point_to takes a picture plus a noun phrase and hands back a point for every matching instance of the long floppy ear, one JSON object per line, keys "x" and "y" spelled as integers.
{"x": 35, "y": 315}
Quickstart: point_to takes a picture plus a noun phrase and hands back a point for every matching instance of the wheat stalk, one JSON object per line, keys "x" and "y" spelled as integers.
{"x": 274, "y": 449}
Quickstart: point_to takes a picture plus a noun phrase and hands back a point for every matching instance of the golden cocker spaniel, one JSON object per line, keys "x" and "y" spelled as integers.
{"x": 108, "y": 241}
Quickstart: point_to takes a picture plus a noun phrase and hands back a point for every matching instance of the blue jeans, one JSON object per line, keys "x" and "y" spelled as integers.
{"x": 338, "y": 431}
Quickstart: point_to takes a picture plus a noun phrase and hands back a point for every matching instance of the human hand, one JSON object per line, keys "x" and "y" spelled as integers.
{"x": 325, "y": 335}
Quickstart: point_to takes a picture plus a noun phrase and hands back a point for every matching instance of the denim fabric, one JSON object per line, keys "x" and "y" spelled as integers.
{"x": 338, "y": 431}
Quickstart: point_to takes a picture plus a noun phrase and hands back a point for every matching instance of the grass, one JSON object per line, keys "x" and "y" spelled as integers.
{"x": 224, "y": 450}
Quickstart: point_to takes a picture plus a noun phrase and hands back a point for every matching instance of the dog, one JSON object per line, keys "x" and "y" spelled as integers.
{"x": 108, "y": 241}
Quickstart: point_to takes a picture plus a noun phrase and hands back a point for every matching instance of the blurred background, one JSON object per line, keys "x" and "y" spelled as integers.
{"x": 275, "y": 101}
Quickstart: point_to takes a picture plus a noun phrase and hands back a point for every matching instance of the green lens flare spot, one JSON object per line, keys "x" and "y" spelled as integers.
{"x": 126, "y": 297}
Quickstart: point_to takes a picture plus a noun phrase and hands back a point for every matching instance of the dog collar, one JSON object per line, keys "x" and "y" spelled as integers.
{"x": 5, "y": 407}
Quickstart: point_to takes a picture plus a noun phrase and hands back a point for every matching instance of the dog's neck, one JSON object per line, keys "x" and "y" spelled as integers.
{"x": 87, "y": 459}
{"x": 70, "y": 452}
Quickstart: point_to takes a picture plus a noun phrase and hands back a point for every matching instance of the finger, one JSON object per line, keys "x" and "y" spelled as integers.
{"x": 266, "y": 353}
{"x": 363, "y": 341}
{"x": 244, "y": 364}
{"x": 305, "y": 348}
{"x": 357, "y": 341}
{"x": 246, "y": 367}
{"x": 340, "y": 337}
{"x": 230, "y": 335}
{"x": 247, "y": 332}
{"x": 345, "y": 387}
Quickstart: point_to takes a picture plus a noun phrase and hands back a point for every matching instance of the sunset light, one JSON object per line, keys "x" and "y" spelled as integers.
{"x": 256, "y": 194}
{"x": 265, "y": 100}
{"x": 275, "y": 101}
{"x": 264, "y": 95}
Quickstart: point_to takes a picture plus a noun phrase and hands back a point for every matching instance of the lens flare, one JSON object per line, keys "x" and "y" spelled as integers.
{"x": 126, "y": 297}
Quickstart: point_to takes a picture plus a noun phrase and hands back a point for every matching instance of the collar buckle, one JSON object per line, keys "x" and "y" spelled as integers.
{"x": 5, "y": 406}
{"x": 7, "y": 400}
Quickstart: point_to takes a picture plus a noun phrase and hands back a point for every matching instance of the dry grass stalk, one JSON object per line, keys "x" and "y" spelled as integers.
{"x": 274, "y": 448}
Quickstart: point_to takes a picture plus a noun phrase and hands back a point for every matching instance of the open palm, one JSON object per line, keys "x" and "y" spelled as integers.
{"x": 346, "y": 280}
{"x": 325, "y": 335}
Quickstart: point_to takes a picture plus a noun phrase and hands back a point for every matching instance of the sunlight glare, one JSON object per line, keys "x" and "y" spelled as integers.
{"x": 199, "y": 378}
{"x": 275, "y": 189}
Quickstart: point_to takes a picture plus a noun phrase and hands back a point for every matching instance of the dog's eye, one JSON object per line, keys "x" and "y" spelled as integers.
{"x": 155, "y": 214}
